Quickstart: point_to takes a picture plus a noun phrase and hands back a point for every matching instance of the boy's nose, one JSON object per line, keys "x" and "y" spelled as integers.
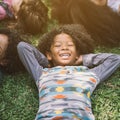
{"x": 64, "y": 47}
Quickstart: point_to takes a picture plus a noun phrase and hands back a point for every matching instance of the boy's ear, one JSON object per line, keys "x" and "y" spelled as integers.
{"x": 77, "y": 57}
{"x": 48, "y": 54}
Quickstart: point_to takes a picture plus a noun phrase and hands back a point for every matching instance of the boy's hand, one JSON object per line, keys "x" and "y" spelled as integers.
{"x": 79, "y": 60}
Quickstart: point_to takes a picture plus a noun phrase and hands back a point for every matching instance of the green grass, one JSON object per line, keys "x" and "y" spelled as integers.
{"x": 19, "y": 97}
{"x": 106, "y": 99}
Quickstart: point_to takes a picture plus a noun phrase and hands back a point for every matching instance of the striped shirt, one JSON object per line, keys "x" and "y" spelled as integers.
{"x": 70, "y": 88}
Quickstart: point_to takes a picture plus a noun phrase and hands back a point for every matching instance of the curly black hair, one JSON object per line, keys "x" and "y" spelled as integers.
{"x": 14, "y": 64}
{"x": 33, "y": 17}
{"x": 83, "y": 41}
{"x": 100, "y": 21}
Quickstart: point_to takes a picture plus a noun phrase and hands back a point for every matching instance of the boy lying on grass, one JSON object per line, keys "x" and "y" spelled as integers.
{"x": 66, "y": 72}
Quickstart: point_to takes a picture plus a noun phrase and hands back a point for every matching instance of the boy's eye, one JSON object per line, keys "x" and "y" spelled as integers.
{"x": 70, "y": 44}
{"x": 57, "y": 45}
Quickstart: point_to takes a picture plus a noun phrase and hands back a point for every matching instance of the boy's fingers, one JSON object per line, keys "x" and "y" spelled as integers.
{"x": 79, "y": 60}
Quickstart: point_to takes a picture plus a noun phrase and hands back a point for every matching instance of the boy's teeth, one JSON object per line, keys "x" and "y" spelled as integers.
{"x": 64, "y": 55}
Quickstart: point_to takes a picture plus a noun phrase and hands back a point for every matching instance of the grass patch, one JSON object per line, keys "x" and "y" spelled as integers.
{"x": 105, "y": 99}
{"x": 18, "y": 98}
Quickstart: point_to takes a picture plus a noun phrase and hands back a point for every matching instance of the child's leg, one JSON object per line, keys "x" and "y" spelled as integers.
{"x": 33, "y": 59}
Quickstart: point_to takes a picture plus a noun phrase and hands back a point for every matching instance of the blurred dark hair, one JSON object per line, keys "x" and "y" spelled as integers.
{"x": 33, "y": 16}
{"x": 101, "y": 22}
{"x": 83, "y": 41}
{"x": 14, "y": 64}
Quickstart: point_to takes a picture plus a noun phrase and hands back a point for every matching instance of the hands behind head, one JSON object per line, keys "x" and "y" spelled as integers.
{"x": 79, "y": 60}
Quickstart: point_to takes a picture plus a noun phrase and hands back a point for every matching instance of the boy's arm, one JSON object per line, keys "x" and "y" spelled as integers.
{"x": 102, "y": 64}
{"x": 33, "y": 60}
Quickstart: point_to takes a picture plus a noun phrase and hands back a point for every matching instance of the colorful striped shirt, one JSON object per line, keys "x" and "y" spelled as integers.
{"x": 64, "y": 93}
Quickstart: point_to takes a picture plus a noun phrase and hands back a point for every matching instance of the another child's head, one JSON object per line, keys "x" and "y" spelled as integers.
{"x": 33, "y": 16}
{"x": 9, "y": 59}
{"x": 63, "y": 45}
{"x": 100, "y": 22}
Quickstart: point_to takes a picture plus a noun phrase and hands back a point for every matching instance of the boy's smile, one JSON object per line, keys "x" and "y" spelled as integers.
{"x": 65, "y": 55}
{"x": 63, "y": 51}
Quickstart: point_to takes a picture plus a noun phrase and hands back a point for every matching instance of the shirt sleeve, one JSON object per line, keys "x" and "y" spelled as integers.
{"x": 102, "y": 64}
{"x": 33, "y": 59}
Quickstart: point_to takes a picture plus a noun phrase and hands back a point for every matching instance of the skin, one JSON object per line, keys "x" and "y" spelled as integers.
{"x": 3, "y": 48}
{"x": 16, "y": 6}
{"x": 63, "y": 51}
{"x": 99, "y": 2}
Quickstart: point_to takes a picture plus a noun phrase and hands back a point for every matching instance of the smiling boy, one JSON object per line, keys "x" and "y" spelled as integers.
{"x": 63, "y": 51}
{"x": 68, "y": 75}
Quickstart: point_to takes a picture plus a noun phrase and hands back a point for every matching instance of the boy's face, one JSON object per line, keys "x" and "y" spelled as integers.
{"x": 3, "y": 47}
{"x": 63, "y": 51}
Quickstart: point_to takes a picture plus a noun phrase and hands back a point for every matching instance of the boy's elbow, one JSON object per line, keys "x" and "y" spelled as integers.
{"x": 114, "y": 60}
{"x": 118, "y": 60}
{"x": 21, "y": 46}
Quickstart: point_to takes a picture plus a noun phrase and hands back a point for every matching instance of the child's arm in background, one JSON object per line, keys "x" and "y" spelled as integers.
{"x": 102, "y": 64}
{"x": 33, "y": 60}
